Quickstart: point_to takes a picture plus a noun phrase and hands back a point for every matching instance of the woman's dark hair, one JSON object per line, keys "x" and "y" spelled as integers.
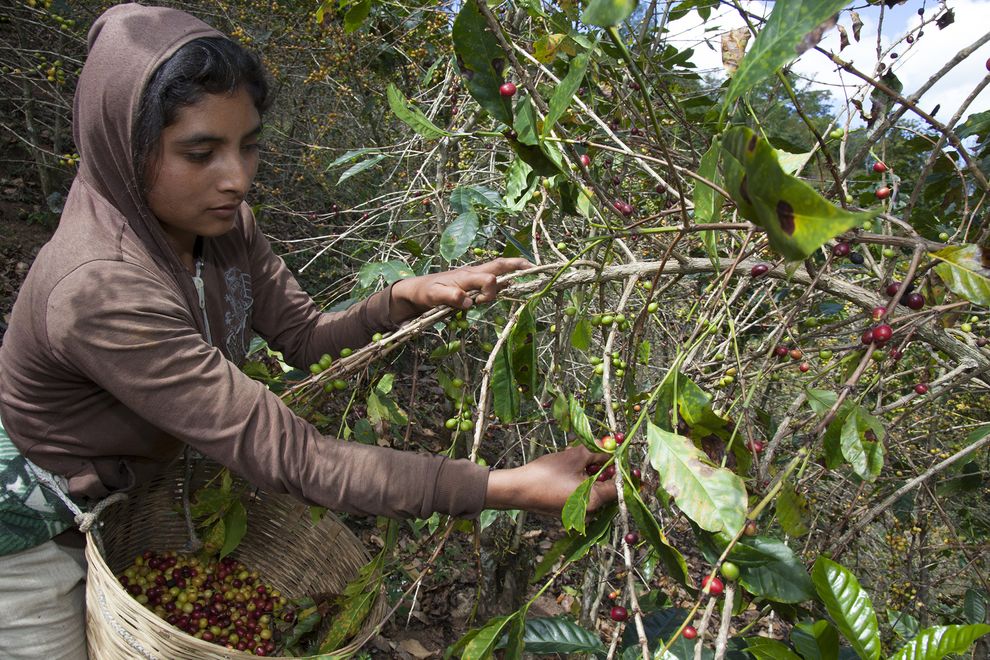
{"x": 211, "y": 65}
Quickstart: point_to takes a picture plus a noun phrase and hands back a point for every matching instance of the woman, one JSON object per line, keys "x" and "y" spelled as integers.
{"x": 124, "y": 341}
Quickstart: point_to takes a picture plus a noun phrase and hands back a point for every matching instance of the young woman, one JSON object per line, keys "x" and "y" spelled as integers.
{"x": 125, "y": 340}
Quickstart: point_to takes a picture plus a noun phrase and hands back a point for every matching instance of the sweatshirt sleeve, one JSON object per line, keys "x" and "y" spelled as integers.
{"x": 115, "y": 324}
{"x": 286, "y": 316}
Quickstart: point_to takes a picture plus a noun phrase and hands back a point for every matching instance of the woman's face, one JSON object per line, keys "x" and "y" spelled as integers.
{"x": 205, "y": 164}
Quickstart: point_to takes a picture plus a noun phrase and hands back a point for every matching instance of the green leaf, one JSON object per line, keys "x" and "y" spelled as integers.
{"x": 412, "y": 116}
{"x": 793, "y": 27}
{"x": 481, "y": 60}
{"x": 797, "y": 219}
{"x": 903, "y": 624}
{"x": 576, "y": 506}
{"x": 848, "y": 605}
{"x": 607, "y": 13}
{"x": 364, "y": 433}
{"x": 349, "y": 156}
{"x": 975, "y": 124}
{"x": 648, "y": 526}
{"x": 975, "y": 606}
{"x": 792, "y": 511}
{"x": 865, "y": 456}
{"x": 768, "y": 568}
{"x": 523, "y": 342}
{"x": 965, "y": 269}
{"x": 354, "y": 604}
{"x": 565, "y": 91}
{"x": 525, "y": 122}
{"x": 821, "y": 401}
{"x": 713, "y": 497}
{"x": 504, "y": 393}
{"x": 480, "y": 642}
{"x": 472, "y": 198}
{"x": 816, "y": 641}
{"x": 561, "y": 413}
{"x": 940, "y": 641}
{"x": 360, "y": 167}
{"x": 390, "y": 271}
{"x": 356, "y": 15}
{"x": 459, "y": 235}
{"x": 705, "y": 197}
{"x": 574, "y": 546}
{"x": 581, "y": 335}
{"x": 235, "y": 527}
{"x": 519, "y": 185}
{"x": 580, "y": 425}
{"x": 763, "y": 648}
{"x": 559, "y": 634}
{"x": 695, "y": 408}
{"x": 514, "y": 643}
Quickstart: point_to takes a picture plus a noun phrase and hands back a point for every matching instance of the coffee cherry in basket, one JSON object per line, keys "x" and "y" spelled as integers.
{"x": 218, "y": 601}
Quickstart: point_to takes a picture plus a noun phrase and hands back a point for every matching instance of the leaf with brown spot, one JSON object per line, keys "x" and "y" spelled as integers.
{"x": 797, "y": 219}
{"x": 713, "y": 497}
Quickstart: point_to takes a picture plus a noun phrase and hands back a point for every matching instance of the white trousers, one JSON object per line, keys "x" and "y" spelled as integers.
{"x": 43, "y": 604}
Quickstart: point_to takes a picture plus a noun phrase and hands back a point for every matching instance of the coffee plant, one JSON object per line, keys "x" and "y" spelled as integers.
{"x": 766, "y": 312}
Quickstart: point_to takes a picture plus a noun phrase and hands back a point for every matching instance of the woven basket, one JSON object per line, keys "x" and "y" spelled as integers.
{"x": 292, "y": 554}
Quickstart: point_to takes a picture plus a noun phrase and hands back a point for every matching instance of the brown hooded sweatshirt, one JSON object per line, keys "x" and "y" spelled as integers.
{"x": 106, "y": 369}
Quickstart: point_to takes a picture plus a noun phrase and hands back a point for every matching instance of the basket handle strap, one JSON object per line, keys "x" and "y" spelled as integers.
{"x": 84, "y": 519}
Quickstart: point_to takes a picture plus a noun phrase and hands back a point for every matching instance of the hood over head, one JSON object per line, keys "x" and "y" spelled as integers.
{"x": 127, "y": 44}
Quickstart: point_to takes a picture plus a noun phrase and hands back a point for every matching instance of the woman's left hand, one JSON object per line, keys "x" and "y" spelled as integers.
{"x": 411, "y": 297}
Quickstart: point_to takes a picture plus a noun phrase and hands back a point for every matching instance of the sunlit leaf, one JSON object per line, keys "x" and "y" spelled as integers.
{"x": 965, "y": 269}
{"x": 580, "y": 425}
{"x": 354, "y": 604}
{"x": 849, "y": 606}
{"x": 713, "y": 497}
{"x": 940, "y": 641}
{"x": 797, "y": 219}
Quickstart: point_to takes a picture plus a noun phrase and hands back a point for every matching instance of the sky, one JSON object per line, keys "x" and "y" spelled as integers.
{"x": 913, "y": 66}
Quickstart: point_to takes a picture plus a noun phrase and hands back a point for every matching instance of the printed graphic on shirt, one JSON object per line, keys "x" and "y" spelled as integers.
{"x": 236, "y": 322}
{"x": 29, "y": 514}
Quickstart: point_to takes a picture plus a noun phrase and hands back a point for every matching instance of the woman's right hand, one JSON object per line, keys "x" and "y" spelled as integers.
{"x": 543, "y": 485}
